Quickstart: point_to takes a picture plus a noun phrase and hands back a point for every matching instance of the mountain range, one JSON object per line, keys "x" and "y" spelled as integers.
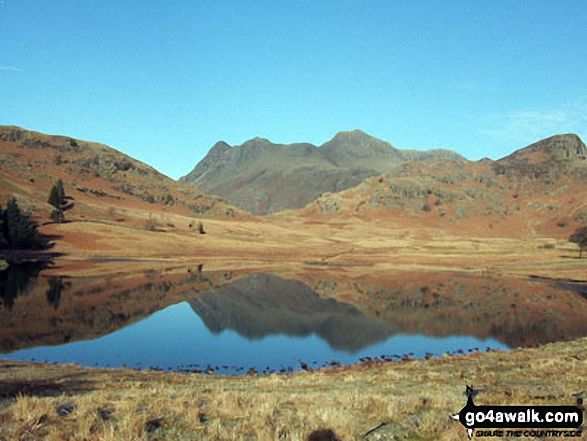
{"x": 537, "y": 190}
{"x": 262, "y": 177}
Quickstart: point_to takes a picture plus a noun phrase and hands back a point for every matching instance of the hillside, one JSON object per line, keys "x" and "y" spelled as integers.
{"x": 538, "y": 190}
{"x": 101, "y": 183}
{"x": 532, "y": 191}
{"x": 262, "y": 177}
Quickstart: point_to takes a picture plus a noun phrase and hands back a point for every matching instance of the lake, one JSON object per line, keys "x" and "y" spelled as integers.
{"x": 190, "y": 319}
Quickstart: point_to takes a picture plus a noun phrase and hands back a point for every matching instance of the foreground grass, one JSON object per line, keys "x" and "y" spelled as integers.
{"x": 414, "y": 398}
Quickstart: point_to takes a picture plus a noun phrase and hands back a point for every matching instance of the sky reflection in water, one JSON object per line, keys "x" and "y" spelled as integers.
{"x": 176, "y": 337}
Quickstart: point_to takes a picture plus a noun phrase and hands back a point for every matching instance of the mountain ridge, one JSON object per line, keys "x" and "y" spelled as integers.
{"x": 539, "y": 189}
{"x": 529, "y": 192}
{"x": 265, "y": 178}
{"x": 101, "y": 181}
{"x": 262, "y": 177}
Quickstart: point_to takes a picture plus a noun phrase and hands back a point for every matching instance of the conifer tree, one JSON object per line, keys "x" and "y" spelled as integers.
{"x": 54, "y": 198}
{"x": 19, "y": 231}
{"x": 3, "y": 241}
{"x": 61, "y": 191}
{"x": 57, "y": 200}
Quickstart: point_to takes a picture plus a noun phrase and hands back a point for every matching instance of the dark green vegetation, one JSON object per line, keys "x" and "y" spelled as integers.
{"x": 57, "y": 201}
{"x": 263, "y": 177}
{"x": 57, "y": 195}
{"x": 19, "y": 232}
{"x": 580, "y": 238}
{"x": 15, "y": 281}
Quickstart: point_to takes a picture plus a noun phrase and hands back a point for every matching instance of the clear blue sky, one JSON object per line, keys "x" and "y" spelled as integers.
{"x": 163, "y": 81}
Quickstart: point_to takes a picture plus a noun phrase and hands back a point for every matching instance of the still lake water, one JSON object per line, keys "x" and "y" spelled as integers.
{"x": 194, "y": 320}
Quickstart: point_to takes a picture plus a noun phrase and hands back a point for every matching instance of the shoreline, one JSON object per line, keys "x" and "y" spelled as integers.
{"x": 413, "y": 398}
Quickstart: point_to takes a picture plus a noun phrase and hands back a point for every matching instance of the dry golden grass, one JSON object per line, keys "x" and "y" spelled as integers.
{"x": 414, "y": 398}
{"x": 282, "y": 241}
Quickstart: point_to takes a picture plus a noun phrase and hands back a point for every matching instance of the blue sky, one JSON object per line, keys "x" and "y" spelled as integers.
{"x": 163, "y": 81}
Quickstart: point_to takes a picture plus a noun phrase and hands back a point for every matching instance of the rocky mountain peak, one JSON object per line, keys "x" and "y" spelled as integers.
{"x": 558, "y": 147}
{"x": 219, "y": 149}
{"x": 256, "y": 143}
{"x": 348, "y": 147}
{"x": 545, "y": 160}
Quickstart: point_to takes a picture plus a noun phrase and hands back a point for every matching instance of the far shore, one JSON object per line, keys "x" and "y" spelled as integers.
{"x": 285, "y": 241}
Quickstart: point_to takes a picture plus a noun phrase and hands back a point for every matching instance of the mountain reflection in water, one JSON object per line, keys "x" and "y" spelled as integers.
{"x": 264, "y": 304}
{"x": 188, "y": 317}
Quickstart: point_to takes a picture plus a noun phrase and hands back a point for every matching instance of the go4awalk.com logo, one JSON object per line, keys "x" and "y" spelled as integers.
{"x": 520, "y": 421}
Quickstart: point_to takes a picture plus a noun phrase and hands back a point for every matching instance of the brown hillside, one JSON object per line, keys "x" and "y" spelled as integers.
{"x": 540, "y": 190}
{"x": 547, "y": 161}
{"x": 433, "y": 215}
{"x": 101, "y": 182}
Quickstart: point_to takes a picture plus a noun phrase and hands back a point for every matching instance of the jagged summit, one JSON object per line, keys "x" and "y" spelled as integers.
{"x": 546, "y": 160}
{"x": 264, "y": 177}
{"x": 219, "y": 148}
{"x": 558, "y": 147}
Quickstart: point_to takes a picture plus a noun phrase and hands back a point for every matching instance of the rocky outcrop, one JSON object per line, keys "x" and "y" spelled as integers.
{"x": 546, "y": 160}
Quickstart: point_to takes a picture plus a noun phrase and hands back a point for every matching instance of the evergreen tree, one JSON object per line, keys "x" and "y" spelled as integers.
{"x": 61, "y": 191}
{"x": 19, "y": 231}
{"x": 54, "y": 198}
{"x": 57, "y": 200}
{"x": 3, "y": 241}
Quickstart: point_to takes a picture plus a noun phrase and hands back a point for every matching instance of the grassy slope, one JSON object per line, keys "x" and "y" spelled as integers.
{"x": 291, "y": 240}
{"x": 415, "y": 398}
